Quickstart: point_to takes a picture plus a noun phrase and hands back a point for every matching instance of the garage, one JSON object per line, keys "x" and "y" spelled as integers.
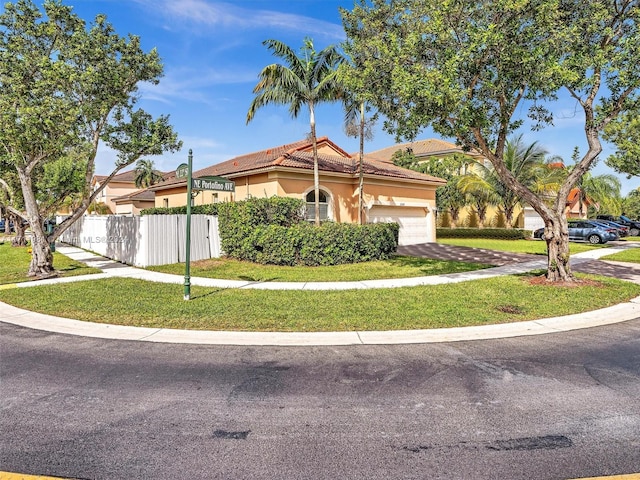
{"x": 415, "y": 222}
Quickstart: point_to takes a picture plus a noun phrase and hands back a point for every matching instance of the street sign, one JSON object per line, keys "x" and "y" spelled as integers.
{"x": 182, "y": 171}
{"x": 213, "y": 183}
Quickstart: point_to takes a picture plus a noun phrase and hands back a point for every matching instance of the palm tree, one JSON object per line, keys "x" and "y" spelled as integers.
{"x": 146, "y": 174}
{"x": 357, "y": 125}
{"x": 308, "y": 79}
{"x": 602, "y": 190}
{"x": 526, "y": 164}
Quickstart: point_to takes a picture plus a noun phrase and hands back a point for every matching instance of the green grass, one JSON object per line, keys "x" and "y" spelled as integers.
{"x": 134, "y": 302}
{"x": 396, "y": 267}
{"x": 534, "y": 247}
{"x": 630, "y": 255}
{"x": 15, "y": 264}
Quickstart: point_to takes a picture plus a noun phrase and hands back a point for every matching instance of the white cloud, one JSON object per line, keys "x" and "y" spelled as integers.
{"x": 229, "y": 16}
{"x": 193, "y": 85}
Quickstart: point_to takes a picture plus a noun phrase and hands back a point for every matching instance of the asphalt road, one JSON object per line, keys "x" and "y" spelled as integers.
{"x": 545, "y": 407}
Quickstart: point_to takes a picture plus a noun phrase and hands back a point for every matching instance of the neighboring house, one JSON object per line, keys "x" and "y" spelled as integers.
{"x": 121, "y": 185}
{"x": 425, "y": 149}
{"x": 391, "y": 193}
{"x": 133, "y": 203}
{"x": 433, "y": 148}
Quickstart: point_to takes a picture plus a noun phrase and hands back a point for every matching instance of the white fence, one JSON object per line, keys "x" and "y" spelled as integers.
{"x": 145, "y": 241}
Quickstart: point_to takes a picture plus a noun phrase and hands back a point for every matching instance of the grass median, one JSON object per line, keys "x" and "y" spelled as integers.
{"x": 395, "y": 267}
{"x": 533, "y": 247}
{"x": 134, "y": 302}
{"x": 631, "y": 255}
{"x": 15, "y": 264}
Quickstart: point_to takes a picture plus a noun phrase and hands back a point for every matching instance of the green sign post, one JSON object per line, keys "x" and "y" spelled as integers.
{"x": 185, "y": 170}
{"x": 187, "y": 259}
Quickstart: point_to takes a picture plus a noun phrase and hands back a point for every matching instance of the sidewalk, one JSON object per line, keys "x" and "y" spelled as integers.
{"x": 583, "y": 261}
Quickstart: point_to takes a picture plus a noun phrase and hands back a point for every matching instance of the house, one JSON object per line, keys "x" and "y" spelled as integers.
{"x": 132, "y": 203}
{"x": 434, "y": 149}
{"x": 391, "y": 193}
{"x": 120, "y": 186}
{"x": 425, "y": 149}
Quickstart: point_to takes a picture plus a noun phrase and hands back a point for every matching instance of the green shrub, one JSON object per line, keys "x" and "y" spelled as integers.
{"x": 493, "y": 233}
{"x": 274, "y": 231}
{"x": 329, "y": 244}
{"x": 209, "y": 209}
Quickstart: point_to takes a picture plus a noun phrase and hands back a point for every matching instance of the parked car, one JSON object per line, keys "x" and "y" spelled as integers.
{"x": 538, "y": 233}
{"x": 634, "y": 225}
{"x": 623, "y": 230}
{"x": 3, "y": 225}
{"x": 591, "y": 231}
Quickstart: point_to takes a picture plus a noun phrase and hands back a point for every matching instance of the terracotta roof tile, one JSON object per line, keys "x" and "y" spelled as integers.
{"x": 420, "y": 148}
{"x": 144, "y": 194}
{"x": 298, "y": 155}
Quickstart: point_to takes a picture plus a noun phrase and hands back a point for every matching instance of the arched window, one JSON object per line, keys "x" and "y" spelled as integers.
{"x": 311, "y": 205}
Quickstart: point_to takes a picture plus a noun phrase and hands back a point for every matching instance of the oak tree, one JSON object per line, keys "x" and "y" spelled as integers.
{"x": 66, "y": 87}
{"x": 472, "y": 69}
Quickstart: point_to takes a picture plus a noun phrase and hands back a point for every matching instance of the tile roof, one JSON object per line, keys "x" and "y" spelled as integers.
{"x": 144, "y": 194}
{"x": 420, "y": 148}
{"x": 299, "y": 155}
{"x": 130, "y": 175}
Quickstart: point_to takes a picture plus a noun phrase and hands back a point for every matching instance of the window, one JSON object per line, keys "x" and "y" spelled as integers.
{"x": 165, "y": 202}
{"x": 311, "y": 205}
{"x": 214, "y": 197}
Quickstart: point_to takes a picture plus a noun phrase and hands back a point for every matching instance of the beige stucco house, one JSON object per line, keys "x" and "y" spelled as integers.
{"x": 391, "y": 193}
{"x": 121, "y": 194}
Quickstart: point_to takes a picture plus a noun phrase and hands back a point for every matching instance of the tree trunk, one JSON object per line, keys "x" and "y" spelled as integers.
{"x": 316, "y": 175}
{"x": 454, "y": 213}
{"x": 361, "y": 167}
{"x": 556, "y": 235}
{"x": 41, "y": 257}
{"x": 20, "y": 239}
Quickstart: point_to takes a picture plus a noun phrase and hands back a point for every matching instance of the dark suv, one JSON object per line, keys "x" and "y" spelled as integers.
{"x": 634, "y": 226}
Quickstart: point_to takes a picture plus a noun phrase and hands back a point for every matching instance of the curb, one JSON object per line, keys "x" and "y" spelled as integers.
{"x": 606, "y": 316}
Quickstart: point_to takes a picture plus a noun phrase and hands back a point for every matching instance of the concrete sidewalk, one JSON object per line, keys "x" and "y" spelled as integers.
{"x": 614, "y": 314}
{"x": 510, "y": 264}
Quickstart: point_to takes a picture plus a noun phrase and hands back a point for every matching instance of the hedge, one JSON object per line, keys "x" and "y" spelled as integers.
{"x": 329, "y": 244}
{"x": 210, "y": 209}
{"x": 492, "y": 233}
{"x": 274, "y": 231}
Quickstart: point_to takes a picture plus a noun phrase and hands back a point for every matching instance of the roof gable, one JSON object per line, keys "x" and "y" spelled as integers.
{"x": 299, "y": 155}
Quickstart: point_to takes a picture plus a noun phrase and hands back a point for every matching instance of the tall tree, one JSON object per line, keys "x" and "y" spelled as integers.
{"x": 65, "y": 87}
{"x": 466, "y": 69}
{"x": 308, "y": 78}
{"x": 525, "y": 162}
{"x": 146, "y": 174}
{"x": 357, "y": 125}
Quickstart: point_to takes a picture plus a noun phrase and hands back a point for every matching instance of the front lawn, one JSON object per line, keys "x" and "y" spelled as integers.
{"x": 396, "y": 267}
{"x": 630, "y": 255}
{"x": 15, "y": 264}
{"x": 126, "y": 301}
{"x": 534, "y": 247}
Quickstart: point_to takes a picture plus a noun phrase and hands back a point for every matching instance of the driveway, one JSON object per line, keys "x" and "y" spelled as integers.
{"x": 465, "y": 254}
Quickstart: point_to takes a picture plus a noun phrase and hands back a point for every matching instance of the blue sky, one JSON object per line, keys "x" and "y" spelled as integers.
{"x": 212, "y": 52}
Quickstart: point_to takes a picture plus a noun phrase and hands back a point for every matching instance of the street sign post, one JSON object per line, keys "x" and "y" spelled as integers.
{"x": 182, "y": 171}
{"x": 185, "y": 170}
{"x": 187, "y": 261}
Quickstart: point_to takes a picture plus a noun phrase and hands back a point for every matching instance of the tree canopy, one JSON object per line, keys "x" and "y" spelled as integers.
{"x": 306, "y": 79}
{"x": 64, "y": 89}
{"x": 469, "y": 69}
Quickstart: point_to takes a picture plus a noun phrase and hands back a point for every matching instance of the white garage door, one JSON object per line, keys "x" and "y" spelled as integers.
{"x": 413, "y": 221}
